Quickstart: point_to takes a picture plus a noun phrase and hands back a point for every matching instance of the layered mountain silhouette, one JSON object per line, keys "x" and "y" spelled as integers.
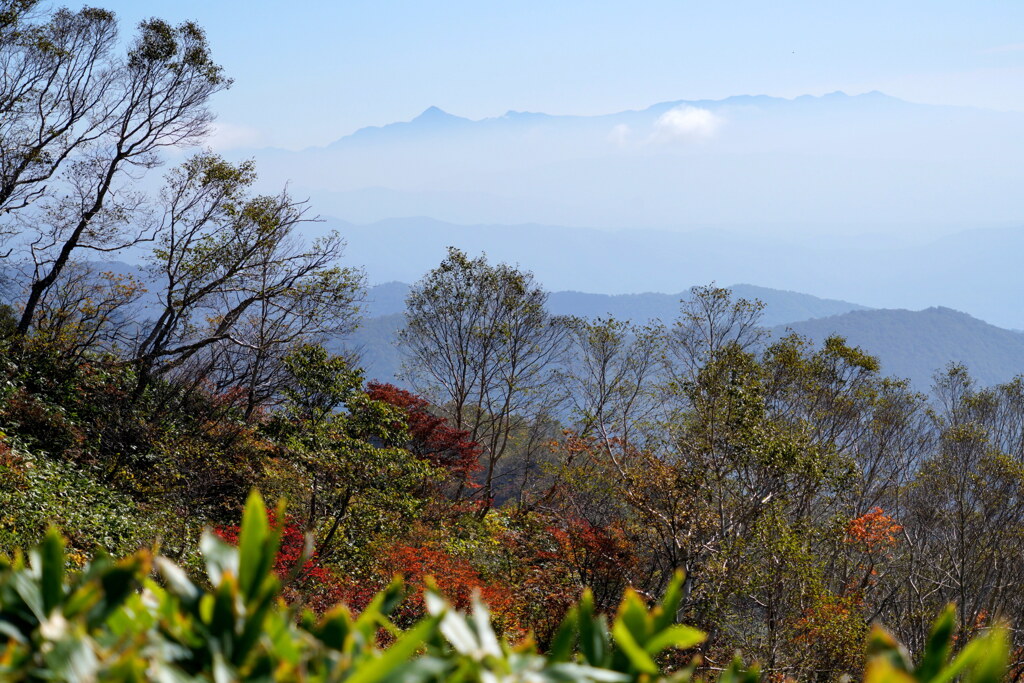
{"x": 834, "y": 159}
{"x": 976, "y": 271}
{"x": 917, "y": 344}
{"x": 780, "y": 306}
{"x": 910, "y": 344}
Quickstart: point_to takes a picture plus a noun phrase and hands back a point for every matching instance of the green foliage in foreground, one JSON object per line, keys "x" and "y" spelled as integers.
{"x": 113, "y": 621}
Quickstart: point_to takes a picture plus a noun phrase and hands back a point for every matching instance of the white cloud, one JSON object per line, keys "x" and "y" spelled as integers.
{"x": 686, "y": 124}
{"x": 620, "y": 134}
{"x": 224, "y": 136}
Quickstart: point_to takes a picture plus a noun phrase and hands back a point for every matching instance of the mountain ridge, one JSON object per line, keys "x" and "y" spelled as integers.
{"x": 917, "y": 344}
{"x": 873, "y": 272}
{"x": 781, "y": 306}
{"x": 434, "y": 115}
{"x": 910, "y": 344}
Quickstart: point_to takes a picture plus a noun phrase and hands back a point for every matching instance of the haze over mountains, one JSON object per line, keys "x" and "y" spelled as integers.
{"x": 910, "y": 344}
{"x": 916, "y": 344}
{"x": 854, "y": 160}
{"x": 907, "y": 208}
{"x": 863, "y": 198}
{"x": 780, "y": 306}
{"x": 973, "y": 271}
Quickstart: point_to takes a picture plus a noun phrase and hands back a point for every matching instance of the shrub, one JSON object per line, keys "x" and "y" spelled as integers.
{"x": 112, "y": 622}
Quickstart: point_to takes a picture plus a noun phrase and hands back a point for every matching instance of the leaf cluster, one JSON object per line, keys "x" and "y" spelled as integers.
{"x": 113, "y": 621}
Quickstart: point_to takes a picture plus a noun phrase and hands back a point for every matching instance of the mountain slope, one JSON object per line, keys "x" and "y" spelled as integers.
{"x": 910, "y": 344}
{"x": 780, "y": 306}
{"x": 916, "y": 344}
{"x": 385, "y": 304}
{"x": 974, "y": 270}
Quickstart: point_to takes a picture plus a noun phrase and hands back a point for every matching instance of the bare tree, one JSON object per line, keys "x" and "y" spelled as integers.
{"x": 233, "y": 272}
{"x": 251, "y": 360}
{"x": 80, "y": 125}
{"x": 89, "y": 311}
{"x": 479, "y": 342}
{"x": 612, "y": 377}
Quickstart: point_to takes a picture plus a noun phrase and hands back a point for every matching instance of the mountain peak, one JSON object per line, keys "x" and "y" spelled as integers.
{"x": 433, "y": 114}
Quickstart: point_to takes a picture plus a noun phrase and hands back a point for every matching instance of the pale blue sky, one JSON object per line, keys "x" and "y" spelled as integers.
{"x": 310, "y": 71}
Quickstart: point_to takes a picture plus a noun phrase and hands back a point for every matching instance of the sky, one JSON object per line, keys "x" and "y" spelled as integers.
{"x": 311, "y": 71}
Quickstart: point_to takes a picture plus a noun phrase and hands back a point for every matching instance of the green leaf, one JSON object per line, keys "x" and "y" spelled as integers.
{"x": 581, "y": 672}
{"x": 633, "y": 614}
{"x": 178, "y": 582}
{"x": 223, "y": 615}
{"x": 991, "y": 663}
{"x": 30, "y": 593}
{"x": 881, "y": 645}
{"x": 593, "y": 634}
{"x": 665, "y": 614}
{"x": 220, "y": 557}
{"x": 937, "y": 649}
{"x": 73, "y": 659}
{"x": 254, "y": 626}
{"x": 119, "y": 582}
{"x": 967, "y": 657}
{"x": 679, "y": 636}
{"x": 640, "y": 660}
{"x": 737, "y": 673}
{"x": 565, "y": 638}
{"x": 395, "y": 656}
{"x": 335, "y": 627}
{"x": 382, "y": 603}
{"x": 255, "y": 558}
{"x": 51, "y": 570}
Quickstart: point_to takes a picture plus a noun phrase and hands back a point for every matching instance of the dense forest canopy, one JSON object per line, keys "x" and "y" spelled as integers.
{"x": 540, "y": 461}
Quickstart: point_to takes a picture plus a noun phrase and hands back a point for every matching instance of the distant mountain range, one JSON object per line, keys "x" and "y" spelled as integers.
{"x": 867, "y": 159}
{"x": 976, "y": 271}
{"x": 864, "y": 198}
{"x": 780, "y": 306}
{"x": 910, "y": 344}
{"x": 916, "y": 344}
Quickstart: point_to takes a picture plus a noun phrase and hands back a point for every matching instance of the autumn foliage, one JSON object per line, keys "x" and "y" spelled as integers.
{"x": 600, "y": 558}
{"x": 431, "y": 437}
{"x": 873, "y": 531}
{"x": 309, "y": 582}
{"x": 833, "y": 631}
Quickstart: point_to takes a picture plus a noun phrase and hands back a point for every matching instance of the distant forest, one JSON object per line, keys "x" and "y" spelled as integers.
{"x": 914, "y": 345}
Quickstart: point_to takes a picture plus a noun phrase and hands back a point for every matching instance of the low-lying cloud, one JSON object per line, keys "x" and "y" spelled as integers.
{"x": 227, "y": 136}
{"x": 686, "y": 124}
{"x": 620, "y": 135}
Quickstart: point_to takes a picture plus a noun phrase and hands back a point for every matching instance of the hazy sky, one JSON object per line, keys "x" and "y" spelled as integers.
{"x": 310, "y": 71}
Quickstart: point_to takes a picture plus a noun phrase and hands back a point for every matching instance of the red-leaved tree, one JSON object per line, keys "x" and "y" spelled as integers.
{"x": 431, "y": 437}
{"x": 312, "y": 583}
{"x": 455, "y": 577}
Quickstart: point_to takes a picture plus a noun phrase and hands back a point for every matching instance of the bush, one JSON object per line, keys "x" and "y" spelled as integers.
{"x": 36, "y": 492}
{"x": 111, "y": 621}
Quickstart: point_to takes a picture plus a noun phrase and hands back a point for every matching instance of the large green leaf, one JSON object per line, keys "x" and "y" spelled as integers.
{"x": 255, "y": 551}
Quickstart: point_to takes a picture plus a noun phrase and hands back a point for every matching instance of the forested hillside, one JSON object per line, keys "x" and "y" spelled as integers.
{"x": 780, "y": 306}
{"x": 375, "y": 341}
{"x": 916, "y": 344}
{"x": 912, "y": 345}
{"x": 631, "y": 501}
